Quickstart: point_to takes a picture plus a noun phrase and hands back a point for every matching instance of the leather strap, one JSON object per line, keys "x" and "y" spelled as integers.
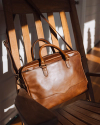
{"x": 33, "y": 46}
{"x": 6, "y": 43}
{"x": 35, "y": 8}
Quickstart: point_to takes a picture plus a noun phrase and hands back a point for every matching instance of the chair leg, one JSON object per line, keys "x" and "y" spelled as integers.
{"x": 91, "y": 94}
{"x": 87, "y": 96}
{"x": 23, "y": 123}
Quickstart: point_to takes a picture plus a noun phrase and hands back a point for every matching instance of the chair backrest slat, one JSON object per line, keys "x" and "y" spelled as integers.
{"x": 40, "y": 32}
{"x": 20, "y": 7}
{"x": 53, "y": 35}
{"x": 65, "y": 28}
{"x": 26, "y": 38}
{"x": 13, "y": 43}
{"x": 11, "y": 33}
{"x": 45, "y": 6}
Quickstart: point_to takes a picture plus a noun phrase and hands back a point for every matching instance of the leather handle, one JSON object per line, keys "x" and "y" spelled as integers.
{"x": 33, "y": 46}
{"x": 43, "y": 65}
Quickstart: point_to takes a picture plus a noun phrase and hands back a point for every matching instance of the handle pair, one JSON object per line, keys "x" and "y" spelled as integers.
{"x": 43, "y": 65}
{"x": 33, "y": 46}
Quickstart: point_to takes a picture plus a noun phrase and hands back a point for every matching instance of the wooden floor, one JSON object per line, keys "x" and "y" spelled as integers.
{"x": 94, "y": 66}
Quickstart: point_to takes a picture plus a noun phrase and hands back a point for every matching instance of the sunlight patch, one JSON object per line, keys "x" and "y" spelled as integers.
{"x": 11, "y": 107}
{"x": 21, "y": 51}
{"x": 89, "y": 35}
{"x": 4, "y": 58}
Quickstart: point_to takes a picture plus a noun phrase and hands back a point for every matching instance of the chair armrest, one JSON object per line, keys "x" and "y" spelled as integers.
{"x": 31, "y": 112}
{"x": 93, "y": 74}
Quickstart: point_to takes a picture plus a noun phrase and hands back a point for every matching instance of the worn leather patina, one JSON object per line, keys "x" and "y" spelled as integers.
{"x": 54, "y": 82}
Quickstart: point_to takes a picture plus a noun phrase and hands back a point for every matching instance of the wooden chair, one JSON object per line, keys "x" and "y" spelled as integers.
{"x": 80, "y": 112}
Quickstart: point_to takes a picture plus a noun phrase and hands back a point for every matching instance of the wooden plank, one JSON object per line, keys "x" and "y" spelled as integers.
{"x": 20, "y": 6}
{"x": 26, "y": 38}
{"x": 94, "y": 74}
{"x": 85, "y": 112}
{"x": 88, "y": 107}
{"x": 70, "y": 117}
{"x": 62, "y": 119}
{"x": 59, "y": 123}
{"x": 40, "y": 33}
{"x": 53, "y": 34}
{"x": 81, "y": 116}
{"x": 90, "y": 103}
{"x": 95, "y": 67}
{"x": 11, "y": 32}
{"x": 65, "y": 28}
{"x": 79, "y": 42}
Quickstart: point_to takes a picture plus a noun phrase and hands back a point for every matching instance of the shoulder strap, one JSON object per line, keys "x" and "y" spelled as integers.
{"x": 6, "y": 43}
{"x": 33, "y": 6}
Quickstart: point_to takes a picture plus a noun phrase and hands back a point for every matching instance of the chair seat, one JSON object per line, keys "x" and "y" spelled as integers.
{"x": 79, "y": 113}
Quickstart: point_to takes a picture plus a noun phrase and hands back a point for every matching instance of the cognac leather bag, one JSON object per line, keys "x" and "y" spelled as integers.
{"x": 55, "y": 78}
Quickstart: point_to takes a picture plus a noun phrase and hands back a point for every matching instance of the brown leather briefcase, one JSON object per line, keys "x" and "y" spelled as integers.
{"x": 55, "y": 78}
